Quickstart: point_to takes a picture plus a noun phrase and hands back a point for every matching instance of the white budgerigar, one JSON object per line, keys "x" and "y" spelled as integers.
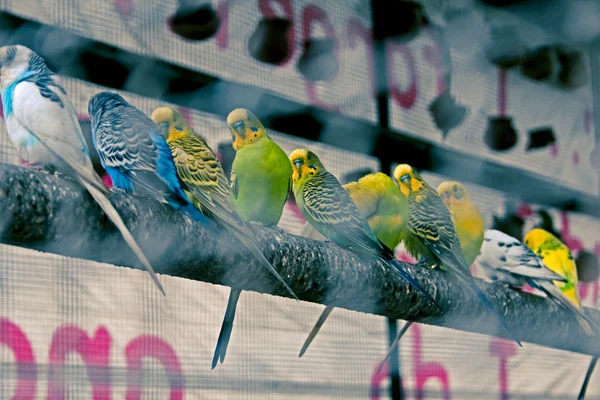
{"x": 43, "y": 125}
{"x": 504, "y": 259}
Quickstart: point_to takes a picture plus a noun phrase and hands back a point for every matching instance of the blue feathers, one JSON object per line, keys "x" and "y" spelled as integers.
{"x": 134, "y": 154}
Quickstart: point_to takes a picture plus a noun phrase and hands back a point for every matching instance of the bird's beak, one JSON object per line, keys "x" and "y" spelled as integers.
{"x": 405, "y": 179}
{"x": 239, "y": 128}
{"x": 298, "y": 163}
{"x": 445, "y": 196}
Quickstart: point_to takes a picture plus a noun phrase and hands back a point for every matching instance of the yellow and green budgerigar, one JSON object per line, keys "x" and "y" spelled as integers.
{"x": 379, "y": 201}
{"x": 261, "y": 174}
{"x": 557, "y": 257}
{"x": 207, "y": 186}
{"x": 468, "y": 221}
{"x": 431, "y": 233}
{"x": 328, "y": 207}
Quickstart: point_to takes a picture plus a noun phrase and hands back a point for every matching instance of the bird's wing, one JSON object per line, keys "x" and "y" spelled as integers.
{"x": 234, "y": 182}
{"x": 43, "y": 108}
{"x": 430, "y": 221}
{"x": 202, "y": 175}
{"x": 328, "y": 203}
{"x": 127, "y": 143}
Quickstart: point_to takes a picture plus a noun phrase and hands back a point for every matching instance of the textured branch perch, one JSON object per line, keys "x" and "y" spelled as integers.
{"x": 52, "y": 213}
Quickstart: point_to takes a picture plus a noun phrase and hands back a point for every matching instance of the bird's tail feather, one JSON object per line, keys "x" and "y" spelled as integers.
{"x": 398, "y": 267}
{"x": 246, "y": 240}
{"x": 394, "y": 344}
{"x": 226, "y": 328}
{"x": 114, "y": 216}
{"x": 315, "y": 329}
{"x": 588, "y": 375}
{"x": 556, "y": 295}
{"x": 489, "y": 305}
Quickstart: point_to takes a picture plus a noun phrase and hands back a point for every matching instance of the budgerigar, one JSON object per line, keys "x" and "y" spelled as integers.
{"x": 208, "y": 187}
{"x": 329, "y": 208}
{"x": 43, "y": 125}
{"x": 557, "y": 257}
{"x": 468, "y": 221}
{"x": 379, "y": 201}
{"x": 135, "y": 154}
{"x": 261, "y": 180}
{"x": 431, "y": 234}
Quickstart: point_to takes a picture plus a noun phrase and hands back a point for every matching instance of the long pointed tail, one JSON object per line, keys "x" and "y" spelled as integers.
{"x": 226, "y": 328}
{"x": 588, "y": 376}
{"x": 398, "y": 267}
{"x": 489, "y": 305}
{"x": 246, "y": 240}
{"x": 394, "y": 344}
{"x": 114, "y": 216}
{"x": 556, "y": 295}
{"x": 315, "y": 329}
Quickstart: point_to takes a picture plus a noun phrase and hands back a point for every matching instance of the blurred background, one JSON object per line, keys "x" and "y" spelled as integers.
{"x": 502, "y": 95}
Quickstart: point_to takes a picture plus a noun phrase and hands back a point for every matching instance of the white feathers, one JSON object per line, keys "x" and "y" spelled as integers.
{"x": 504, "y": 258}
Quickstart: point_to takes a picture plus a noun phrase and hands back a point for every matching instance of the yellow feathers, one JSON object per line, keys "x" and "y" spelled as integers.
{"x": 557, "y": 257}
{"x": 383, "y": 205}
{"x": 305, "y": 164}
{"x": 245, "y": 128}
{"x": 408, "y": 179}
{"x": 467, "y": 219}
{"x": 172, "y": 123}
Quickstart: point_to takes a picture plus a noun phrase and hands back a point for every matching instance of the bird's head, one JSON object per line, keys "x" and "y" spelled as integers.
{"x": 102, "y": 102}
{"x": 15, "y": 61}
{"x": 245, "y": 128}
{"x": 536, "y": 237}
{"x": 171, "y": 123}
{"x": 453, "y": 193}
{"x": 408, "y": 179}
{"x": 305, "y": 164}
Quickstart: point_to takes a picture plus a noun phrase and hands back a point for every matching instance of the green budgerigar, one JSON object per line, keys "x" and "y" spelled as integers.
{"x": 207, "y": 186}
{"x": 328, "y": 207}
{"x": 261, "y": 174}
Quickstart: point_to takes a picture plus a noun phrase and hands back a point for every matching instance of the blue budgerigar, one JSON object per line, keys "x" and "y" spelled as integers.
{"x": 43, "y": 125}
{"x": 135, "y": 154}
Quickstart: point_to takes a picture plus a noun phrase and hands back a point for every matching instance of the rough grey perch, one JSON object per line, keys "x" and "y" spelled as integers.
{"x": 52, "y": 213}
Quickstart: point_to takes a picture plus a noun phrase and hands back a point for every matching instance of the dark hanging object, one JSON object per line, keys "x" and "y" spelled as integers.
{"x": 588, "y": 269}
{"x": 100, "y": 58}
{"x": 269, "y": 42}
{"x": 511, "y": 225}
{"x": 400, "y": 21}
{"x": 541, "y": 64}
{"x": 573, "y": 71}
{"x": 199, "y": 22}
{"x": 184, "y": 81}
{"x": 318, "y": 61}
{"x": 540, "y": 138}
{"x": 506, "y": 49}
{"x": 302, "y": 124}
{"x": 547, "y": 223}
{"x": 446, "y": 113}
{"x": 355, "y": 175}
{"x": 500, "y": 134}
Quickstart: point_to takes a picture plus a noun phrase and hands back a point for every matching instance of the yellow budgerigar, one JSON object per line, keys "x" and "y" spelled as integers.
{"x": 207, "y": 186}
{"x": 557, "y": 257}
{"x": 468, "y": 221}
